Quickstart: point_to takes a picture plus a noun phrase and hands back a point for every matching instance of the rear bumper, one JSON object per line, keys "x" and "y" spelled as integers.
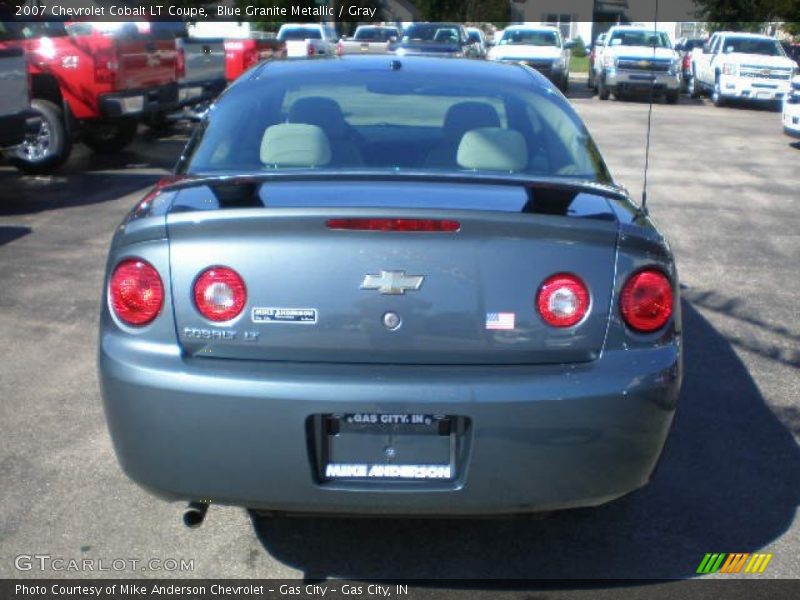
{"x": 136, "y": 103}
{"x": 195, "y": 92}
{"x": 236, "y": 432}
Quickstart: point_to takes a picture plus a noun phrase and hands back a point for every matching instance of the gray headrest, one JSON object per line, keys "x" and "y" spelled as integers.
{"x": 464, "y": 116}
{"x": 295, "y": 145}
{"x": 493, "y": 149}
{"x": 320, "y": 111}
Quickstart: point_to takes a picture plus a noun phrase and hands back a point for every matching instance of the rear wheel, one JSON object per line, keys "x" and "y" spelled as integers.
{"x": 46, "y": 149}
{"x": 110, "y": 137}
{"x": 564, "y": 87}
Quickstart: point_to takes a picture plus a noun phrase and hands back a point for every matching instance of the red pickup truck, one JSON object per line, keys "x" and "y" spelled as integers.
{"x": 91, "y": 84}
{"x": 241, "y": 54}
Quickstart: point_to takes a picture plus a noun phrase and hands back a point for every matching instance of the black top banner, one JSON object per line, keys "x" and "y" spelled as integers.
{"x": 469, "y": 11}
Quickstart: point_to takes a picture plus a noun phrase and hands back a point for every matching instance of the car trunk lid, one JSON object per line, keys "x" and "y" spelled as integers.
{"x": 468, "y": 297}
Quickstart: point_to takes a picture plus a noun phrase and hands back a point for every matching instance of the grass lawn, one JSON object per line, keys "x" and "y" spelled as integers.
{"x": 579, "y": 65}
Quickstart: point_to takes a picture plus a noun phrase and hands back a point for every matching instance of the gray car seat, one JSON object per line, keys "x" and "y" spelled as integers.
{"x": 459, "y": 119}
{"x": 326, "y": 114}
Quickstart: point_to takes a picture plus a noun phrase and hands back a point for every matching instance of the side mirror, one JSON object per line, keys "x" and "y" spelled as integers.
{"x": 569, "y": 44}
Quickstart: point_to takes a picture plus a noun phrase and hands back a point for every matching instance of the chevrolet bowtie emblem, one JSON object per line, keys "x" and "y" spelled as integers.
{"x": 392, "y": 282}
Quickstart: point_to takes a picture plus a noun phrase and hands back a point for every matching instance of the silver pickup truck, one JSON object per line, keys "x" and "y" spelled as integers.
{"x": 369, "y": 39}
{"x": 14, "y": 95}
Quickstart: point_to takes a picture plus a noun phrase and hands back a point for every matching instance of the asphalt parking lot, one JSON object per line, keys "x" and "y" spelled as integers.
{"x": 724, "y": 185}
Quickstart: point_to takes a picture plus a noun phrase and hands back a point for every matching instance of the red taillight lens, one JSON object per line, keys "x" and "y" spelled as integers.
{"x": 646, "y": 301}
{"x": 394, "y": 224}
{"x": 562, "y": 300}
{"x": 219, "y": 294}
{"x": 136, "y": 292}
{"x": 310, "y": 49}
{"x": 180, "y": 63}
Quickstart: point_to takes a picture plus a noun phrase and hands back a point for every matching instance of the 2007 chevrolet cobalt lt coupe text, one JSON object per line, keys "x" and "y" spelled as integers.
{"x": 384, "y": 285}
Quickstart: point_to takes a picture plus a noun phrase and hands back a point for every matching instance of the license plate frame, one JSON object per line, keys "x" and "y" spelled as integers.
{"x": 388, "y": 447}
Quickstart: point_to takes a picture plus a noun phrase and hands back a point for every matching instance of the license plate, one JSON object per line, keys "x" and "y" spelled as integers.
{"x": 383, "y": 446}
{"x": 765, "y": 95}
{"x": 190, "y": 93}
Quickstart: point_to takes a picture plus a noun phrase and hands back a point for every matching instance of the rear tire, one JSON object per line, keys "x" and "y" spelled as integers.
{"x": 46, "y": 150}
{"x": 110, "y": 137}
{"x": 564, "y": 87}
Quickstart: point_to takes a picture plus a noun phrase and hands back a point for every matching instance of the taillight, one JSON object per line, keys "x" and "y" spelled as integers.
{"x": 180, "y": 63}
{"x": 219, "y": 294}
{"x": 646, "y": 301}
{"x": 687, "y": 58}
{"x": 394, "y": 224}
{"x": 562, "y": 300}
{"x": 339, "y": 49}
{"x": 310, "y": 49}
{"x": 105, "y": 65}
{"x": 136, "y": 292}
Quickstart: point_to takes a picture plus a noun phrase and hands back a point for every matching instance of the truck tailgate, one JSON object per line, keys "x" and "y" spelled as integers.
{"x": 145, "y": 62}
{"x": 13, "y": 80}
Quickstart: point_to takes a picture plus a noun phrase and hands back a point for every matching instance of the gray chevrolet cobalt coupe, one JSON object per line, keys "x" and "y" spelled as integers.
{"x": 390, "y": 285}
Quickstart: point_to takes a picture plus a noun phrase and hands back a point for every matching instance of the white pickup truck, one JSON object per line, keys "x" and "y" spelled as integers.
{"x": 791, "y": 110}
{"x": 747, "y": 66}
{"x": 307, "y": 39}
{"x": 637, "y": 59}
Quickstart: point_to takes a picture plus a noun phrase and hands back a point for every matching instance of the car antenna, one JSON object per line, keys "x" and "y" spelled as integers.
{"x": 643, "y": 206}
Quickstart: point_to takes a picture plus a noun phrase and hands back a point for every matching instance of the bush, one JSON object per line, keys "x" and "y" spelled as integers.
{"x": 579, "y": 51}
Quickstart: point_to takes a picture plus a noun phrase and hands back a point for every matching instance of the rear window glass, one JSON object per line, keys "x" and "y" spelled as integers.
{"x": 300, "y": 33}
{"x": 374, "y": 34}
{"x": 530, "y": 37}
{"x": 10, "y": 31}
{"x": 431, "y": 32}
{"x": 395, "y": 121}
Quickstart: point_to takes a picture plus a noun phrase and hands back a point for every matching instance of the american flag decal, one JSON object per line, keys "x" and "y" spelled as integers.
{"x": 500, "y": 320}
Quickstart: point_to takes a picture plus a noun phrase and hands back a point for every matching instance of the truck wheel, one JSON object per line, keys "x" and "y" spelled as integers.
{"x": 692, "y": 87}
{"x": 716, "y": 95}
{"x": 110, "y": 137}
{"x": 49, "y": 147}
{"x": 602, "y": 89}
{"x": 672, "y": 96}
{"x": 564, "y": 87}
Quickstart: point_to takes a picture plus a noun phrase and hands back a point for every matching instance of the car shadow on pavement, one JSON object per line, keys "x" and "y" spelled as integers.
{"x": 28, "y": 195}
{"x": 11, "y": 233}
{"x": 728, "y": 481}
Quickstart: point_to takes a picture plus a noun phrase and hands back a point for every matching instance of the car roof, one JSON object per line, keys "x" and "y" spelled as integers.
{"x": 425, "y": 66}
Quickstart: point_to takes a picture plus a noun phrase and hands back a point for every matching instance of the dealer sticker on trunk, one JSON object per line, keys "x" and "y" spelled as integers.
{"x": 306, "y": 316}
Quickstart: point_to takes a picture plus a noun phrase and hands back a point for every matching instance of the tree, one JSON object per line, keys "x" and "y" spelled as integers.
{"x": 747, "y": 15}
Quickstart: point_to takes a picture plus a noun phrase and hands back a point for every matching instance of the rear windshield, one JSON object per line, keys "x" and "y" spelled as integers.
{"x": 394, "y": 121}
{"x": 374, "y": 34}
{"x": 745, "y": 45}
{"x": 10, "y": 31}
{"x": 300, "y": 33}
{"x": 656, "y": 39}
{"x": 431, "y": 32}
{"x": 474, "y": 37}
{"x": 530, "y": 37}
